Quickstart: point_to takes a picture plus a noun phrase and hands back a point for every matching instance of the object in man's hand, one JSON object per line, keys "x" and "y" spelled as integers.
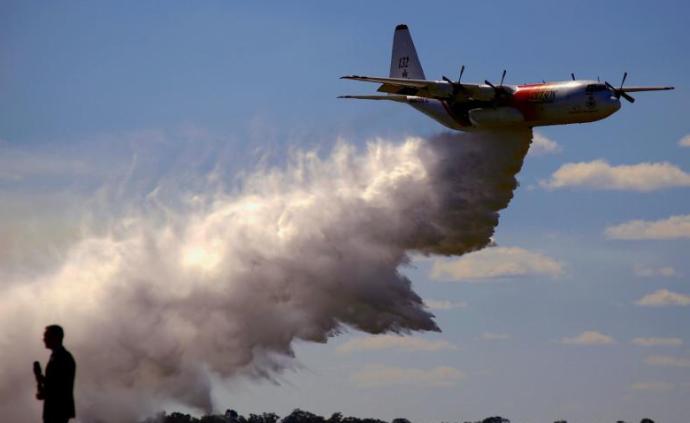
{"x": 39, "y": 380}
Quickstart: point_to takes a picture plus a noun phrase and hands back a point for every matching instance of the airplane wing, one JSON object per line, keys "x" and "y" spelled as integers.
{"x": 441, "y": 90}
{"x": 392, "y": 97}
{"x": 638, "y": 89}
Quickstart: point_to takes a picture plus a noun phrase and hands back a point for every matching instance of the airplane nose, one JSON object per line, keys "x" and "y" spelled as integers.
{"x": 614, "y": 103}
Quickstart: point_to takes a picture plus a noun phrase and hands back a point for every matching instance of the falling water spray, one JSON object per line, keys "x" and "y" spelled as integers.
{"x": 225, "y": 284}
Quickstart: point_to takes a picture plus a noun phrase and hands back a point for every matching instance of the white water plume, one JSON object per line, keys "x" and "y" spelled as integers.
{"x": 226, "y": 283}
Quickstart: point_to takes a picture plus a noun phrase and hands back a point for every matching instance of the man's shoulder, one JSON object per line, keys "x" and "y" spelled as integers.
{"x": 63, "y": 355}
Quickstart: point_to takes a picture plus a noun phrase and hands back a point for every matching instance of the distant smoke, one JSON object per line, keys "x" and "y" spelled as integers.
{"x": 227, "y": 282}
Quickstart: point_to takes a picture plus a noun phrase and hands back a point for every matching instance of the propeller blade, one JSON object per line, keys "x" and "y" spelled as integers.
{"x": 572, "y": 75}
{"x": 503, "y": 77}
{"x": 627, "y": 97}
{"x": 618, "y": 92}
{"x": 612, "y": 88}
{"x": 462, "y": 70}
{"x": 490, "y": 84}
{"x": 456, "y": 86}
{"x": 625, "y": 75}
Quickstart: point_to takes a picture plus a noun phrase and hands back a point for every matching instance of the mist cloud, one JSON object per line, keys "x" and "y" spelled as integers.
{"x": 222, "y": 282}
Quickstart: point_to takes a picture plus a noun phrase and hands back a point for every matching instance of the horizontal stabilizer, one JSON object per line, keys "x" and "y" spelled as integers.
{"x": 404, "y": 86}
{"x": 402, "y": 82}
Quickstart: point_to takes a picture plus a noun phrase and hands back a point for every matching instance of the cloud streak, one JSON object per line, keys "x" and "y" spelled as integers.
{"x": 489, "y": 336}
{"x": 541, "y": 146}
{"x": 685, "y": 141}
{"x": 494, "y": 263}
{"x": 674, "y": 227}
{"x": 380, "y": 376}
{"x": 664, "y": 298}
{"x": 600, "y": 175}
{"x": 394, "y": 342}
{"x": 589, "y": 337}
{"x": 18, "y": 165}
{"x": 444, "y": 305}
{"x": 668, "y": 361}
{"x": 654, "y": 272}
{"x": 652, "y": 386}
{"x": 657, "y": 342}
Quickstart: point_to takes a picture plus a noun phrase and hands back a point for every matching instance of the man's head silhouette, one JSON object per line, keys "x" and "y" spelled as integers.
{"x": 52, "y": 337}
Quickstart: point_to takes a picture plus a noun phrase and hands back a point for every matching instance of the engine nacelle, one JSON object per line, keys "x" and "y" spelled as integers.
{"x": 496, "y": 117}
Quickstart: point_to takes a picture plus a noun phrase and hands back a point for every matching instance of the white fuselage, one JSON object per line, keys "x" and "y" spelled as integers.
{"x": 528, "y": 105}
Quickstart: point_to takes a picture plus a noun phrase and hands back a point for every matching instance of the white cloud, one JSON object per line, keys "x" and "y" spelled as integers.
{"x": 653, "y": 272}
{"x": 444, "y": 304}
{"x": 675, "y": 227}
{"x": 589, "y": 337}
{"x": 600, "y": 175}
{"x": 542, "y": 145}
{"x": 652, "y": 386}
{"x": 685, "y": 141}
{"x": 496, "y": 262}
{"x": 489, "y": 336}
{"x": 376, "y": 376}
{"x": 663, "y": 298}
{"x": 667, "y": 361}
{"x": 658, "y": 342}
{"x": 388, "y": 342}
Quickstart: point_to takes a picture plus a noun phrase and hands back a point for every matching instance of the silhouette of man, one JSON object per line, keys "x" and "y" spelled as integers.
{"x": 56, "y": 387}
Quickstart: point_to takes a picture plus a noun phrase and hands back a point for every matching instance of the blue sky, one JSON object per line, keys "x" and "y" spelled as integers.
{"x": 183, "y": 86}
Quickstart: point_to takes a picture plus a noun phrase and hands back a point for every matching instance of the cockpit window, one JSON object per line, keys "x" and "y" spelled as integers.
{"x": 592, "y": 88}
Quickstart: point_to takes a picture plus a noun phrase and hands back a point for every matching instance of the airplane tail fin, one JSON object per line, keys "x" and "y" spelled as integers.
{"x": 404, "y": 61}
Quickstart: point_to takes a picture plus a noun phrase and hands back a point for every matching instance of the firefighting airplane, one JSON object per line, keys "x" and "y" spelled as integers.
{"x": 471, "y": 107}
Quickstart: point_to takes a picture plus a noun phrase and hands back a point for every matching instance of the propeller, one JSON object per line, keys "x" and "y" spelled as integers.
{"x": 618, "y": 92}
{"x": 572, "y": 75}
{"x": 501, "y": 91}
{"x": 457, "y": 86}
